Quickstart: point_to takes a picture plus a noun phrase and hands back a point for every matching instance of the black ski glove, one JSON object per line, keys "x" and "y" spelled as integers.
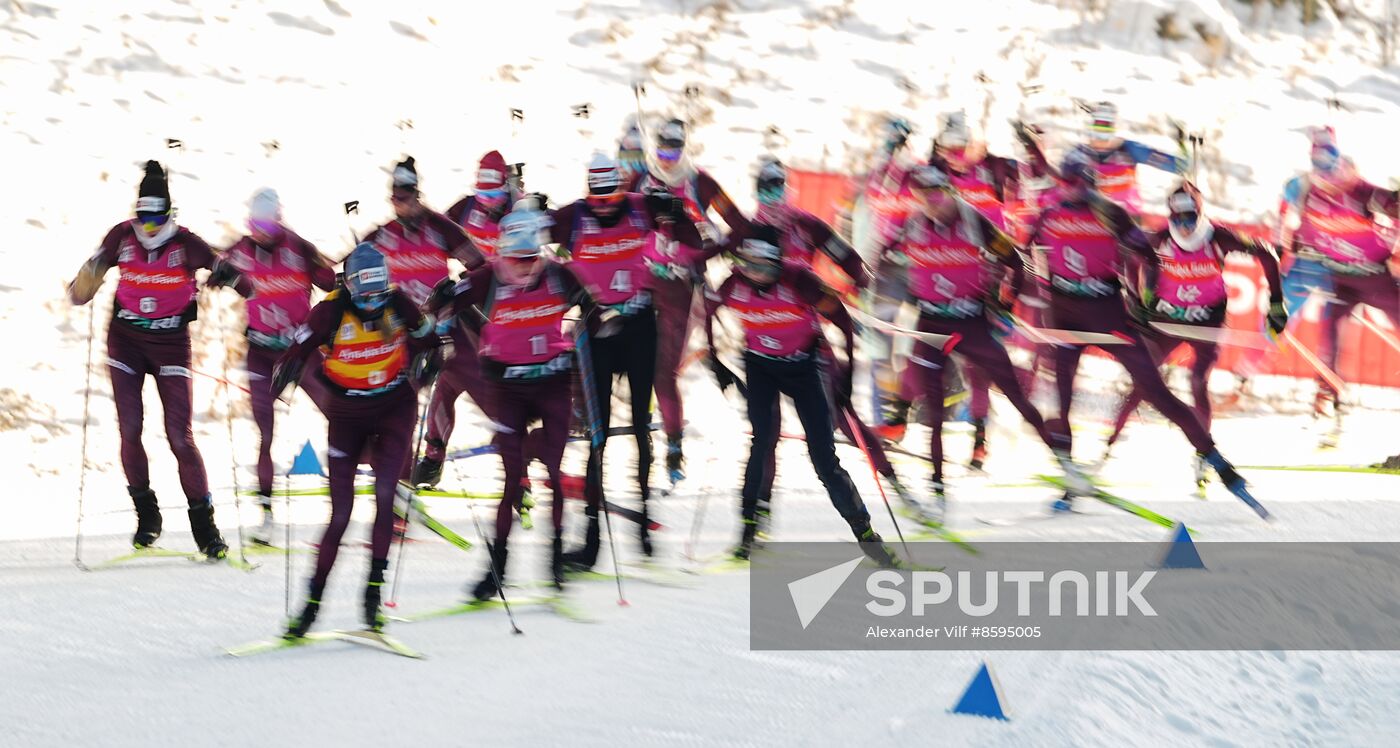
{"x": 723, "y": 375}
{"x": 222, "y": 274}
{"x": 442, "y": 294}
{"x": 1277, "y": 317}
{"x": 425, "y": 368}
{"x": 283, "y": 374}
{"x": 847, "y": 383}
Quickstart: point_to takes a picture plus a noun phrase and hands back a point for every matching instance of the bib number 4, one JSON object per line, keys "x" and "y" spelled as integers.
{"x": 621, "y": 281}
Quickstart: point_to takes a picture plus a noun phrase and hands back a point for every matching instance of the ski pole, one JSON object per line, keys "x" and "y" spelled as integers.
{"x": 352, "y": 207}
{"x": 1324, "y": 371}
{"x": 595, "y": 456}
{"x": 287, "y": 529}
{"x": 413, "y": 493}
{"x": 875, "y": 474}
{"x": 495, "y": 575}
{"x": 232, "y": 454}
{"x": 82, "y": 470}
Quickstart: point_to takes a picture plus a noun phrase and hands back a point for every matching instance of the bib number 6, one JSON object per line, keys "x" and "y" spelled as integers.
{"x": 770, "y": 342}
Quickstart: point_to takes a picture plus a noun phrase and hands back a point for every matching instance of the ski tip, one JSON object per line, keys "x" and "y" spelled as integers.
{"x": 624, "y": 604}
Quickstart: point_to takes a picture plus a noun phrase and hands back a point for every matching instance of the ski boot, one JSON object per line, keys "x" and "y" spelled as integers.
{"x": 490, "y": 585}
{"x": 1198, "y": 467}
{"x": 746, "y": 540}
{"x": 147, "y": 517}
{"x": 979, "y": 443}
{"x": 556, "y": 563}
{"x": 873, "y": 546}
{"x": 374, "y": 614}
{"x": 428, "y": 472}
{"x": 583, "y": 559}
{"x": 1078, "y": 483}
{"x": 1233, "y": 481}
{"x": 299, "y": 625}
{"x": 1391, "y": 463}
{"x": 675, "y": 461}
{"x": 1064, "y": 504}
{"x": 763, "y": 516}
{"x": 644, "y": 530}
{"x": 206, "y": 534}
{"x": 262, "y": 534}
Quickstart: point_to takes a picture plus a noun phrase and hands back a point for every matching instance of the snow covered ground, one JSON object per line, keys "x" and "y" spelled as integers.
{"x": 90, "y": 90}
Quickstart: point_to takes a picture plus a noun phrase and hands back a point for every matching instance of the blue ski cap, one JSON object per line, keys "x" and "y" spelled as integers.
{"x": 520, "y": 233}
{"x": 367, "y": 277}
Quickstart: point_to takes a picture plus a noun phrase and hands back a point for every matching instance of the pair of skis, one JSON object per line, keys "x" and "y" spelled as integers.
{"x": 154, "y": 552}
{"x": 373, "y": 639}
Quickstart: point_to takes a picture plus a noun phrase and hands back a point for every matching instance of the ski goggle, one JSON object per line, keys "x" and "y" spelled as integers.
{"x": 491, "y": 196}
{"x": 1186, "y": 220}
{"x": 607, "y": 199}
{"x": 152, "y": 222}
{"x": 771, "y": 190}
{"x": 402, "y": 198}
{"x": 266, "y": 228}
{"x": 669, "y": 154}
{"x": 370, "y": 302}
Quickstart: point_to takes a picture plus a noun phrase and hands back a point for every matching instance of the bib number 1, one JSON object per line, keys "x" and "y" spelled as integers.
{"x": 538, "y": 345}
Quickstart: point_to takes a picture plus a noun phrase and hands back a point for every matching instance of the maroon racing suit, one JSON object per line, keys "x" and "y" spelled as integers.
{"x": 462, "y": 372}
{"x": 1183, "y": 280}
{"x": 781, "y": 330}
{"x": 1089, "y": 245}
{"x": 616, "y": 258}
{"x": 149, "y": 335}
{"x": 954, "y": 274}
{"x": 371, "y": 407}
{"x": 417, "y": 252}
{"x": 674, "y": 297}
{"x": 526, "y": 360}
{"x": 281, "y": 277}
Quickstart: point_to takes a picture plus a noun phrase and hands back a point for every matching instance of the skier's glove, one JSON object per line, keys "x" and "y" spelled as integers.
{"x": 668, "y": 270}
{"x": 425, "y": 368}
{"x": 1277, "y": 317}
{"x": 442, "y": 294}
{"x": 723, "y": 375}
{"x": 283, "y": 374}
{"x": 222, "y": 274}
{"x": 1027, "y": 134}
{"x": 846, "y": 384}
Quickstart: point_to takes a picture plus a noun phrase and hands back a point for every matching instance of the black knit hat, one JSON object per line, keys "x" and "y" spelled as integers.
{"x": 154, "y": 195}
{"x": 406, "y": 175}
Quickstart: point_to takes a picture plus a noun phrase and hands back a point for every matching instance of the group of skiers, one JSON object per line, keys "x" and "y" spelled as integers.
{"x": 952, "y": 236}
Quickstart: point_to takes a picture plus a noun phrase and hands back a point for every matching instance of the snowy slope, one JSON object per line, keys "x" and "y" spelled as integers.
{"x": 88, "y": 91}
